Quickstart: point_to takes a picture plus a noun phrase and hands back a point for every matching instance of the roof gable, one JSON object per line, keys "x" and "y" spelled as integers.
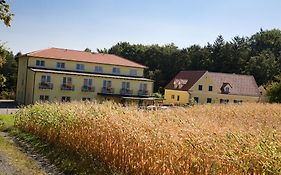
{"x": 75, "y": 55}
{"x": 189, "y": 78}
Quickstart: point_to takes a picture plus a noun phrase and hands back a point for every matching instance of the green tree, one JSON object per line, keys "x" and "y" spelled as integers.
{"x": 5, "y": 14}
{"x": 274, "y": 90}
{"x": 263, "y": 67}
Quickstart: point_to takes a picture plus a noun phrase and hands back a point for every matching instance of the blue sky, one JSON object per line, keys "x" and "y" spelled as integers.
{"x": 77, "y": 24}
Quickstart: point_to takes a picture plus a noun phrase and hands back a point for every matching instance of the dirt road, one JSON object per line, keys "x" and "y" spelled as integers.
{"x": 15, "y": 160}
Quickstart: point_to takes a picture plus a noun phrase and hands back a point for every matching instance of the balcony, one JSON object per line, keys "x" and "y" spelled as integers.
{"x": 143, "y": 93}
{"x": 67, "y": 87}
{"x": 107, "y": 90}
{"x": 45, "y": 85}
{"x": 126, "y": 91}
{"x": 88, "y": 88}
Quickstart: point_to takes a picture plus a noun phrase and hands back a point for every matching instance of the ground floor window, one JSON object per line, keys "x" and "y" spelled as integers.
{"x": 209, "y": 100}
{"x": 86, "y": 99}
{"x": 44, "y": 97}
{"x": 224, "y": 101}
{"x": 237, "y": 101}
{"x": 178, "y": 98}
{"x": 196, "y": 99}
{"x": 65, "y": 99}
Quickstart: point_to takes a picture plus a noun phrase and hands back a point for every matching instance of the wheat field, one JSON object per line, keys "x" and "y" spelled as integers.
{"x": 203, "y": 139}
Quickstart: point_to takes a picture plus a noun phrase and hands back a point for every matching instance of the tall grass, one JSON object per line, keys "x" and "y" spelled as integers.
{"x": 209, "y": 139}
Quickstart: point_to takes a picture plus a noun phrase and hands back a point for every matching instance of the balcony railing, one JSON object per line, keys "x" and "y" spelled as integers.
{"x": 67, "y": 87}
{"x": 126, "y": 91}
{"x": 88, "y": 88}
{"x": 107, "y": 90}
{"x": 143, "y": 93}
{"x": 45, "y": 85}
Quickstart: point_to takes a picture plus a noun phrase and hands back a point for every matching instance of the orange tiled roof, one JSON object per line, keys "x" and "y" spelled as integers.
{"x": 75, "y": 55}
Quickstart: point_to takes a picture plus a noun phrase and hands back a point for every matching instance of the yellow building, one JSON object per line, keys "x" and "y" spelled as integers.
{"x": 209, "y": 87}
{"x": 65, "y": 75}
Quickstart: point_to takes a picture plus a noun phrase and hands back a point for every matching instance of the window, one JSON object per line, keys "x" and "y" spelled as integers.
{"x": 88, "y": 82}
{"x": 178, "y": 98}
{"x": 80, "y": 67}
{"x": 143, "y": 87}
{"x": 196, "y": 99}
{"x": 98, "y": 69}
{"x": 172, "y": 96}
{"x": 133, "y": 72}
{"x": 44, "y": 98}
{"x": 210, "y": 88}
{"x": 65, "y": 99}
{"x": 200, "y": 87}
{"x": 60, "y": 65}
{"x": 86, "y": 99}
{"x": 106, "y": 84}
{"x": 116, "y": 70}
{"x": 46, "y": 78}
{"x": 209, "y": 100}
{"x": 67, "y": 80}
{"x": 224, "y": 101}
{"x": 40, "y": 63}
{"x": 226, "y": 90}
{"x": 125, "y": 85}
{"x": 237, "y": 101}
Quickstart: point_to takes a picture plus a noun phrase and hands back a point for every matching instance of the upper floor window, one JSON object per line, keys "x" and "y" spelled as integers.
{"x": 80, "y": 67}
{"x": 67, "y": 80}
{"x": 143, "y": 87}
{"x": 98, "y": 69}
{"x": 125, "y": 85}
{"x": 40, "y": 63}
{"x": 200, "y": 87}
{"x": 60, "y": 65}
{"x": 116, "y": 70}
{"x": 106, "y": 84}
{"x": 88, "y": 82}
{"x": 210, "y": 88}
{"x": 133, "y": 72}
{"x": 46, "y": 78}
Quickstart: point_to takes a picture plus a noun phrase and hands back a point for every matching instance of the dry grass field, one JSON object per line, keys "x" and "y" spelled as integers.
{"x": 204, "y": 139}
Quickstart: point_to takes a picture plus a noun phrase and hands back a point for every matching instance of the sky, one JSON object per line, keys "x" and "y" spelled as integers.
{"x": 80, "y": 24}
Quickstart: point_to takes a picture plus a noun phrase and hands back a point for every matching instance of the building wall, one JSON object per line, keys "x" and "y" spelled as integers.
{"x": 21, "y": 80}
{"x": 89, "y": 67}
{"x": 176, "y": 97}
{"x": 77, "y": 80}
{"x": 29, "y": 87}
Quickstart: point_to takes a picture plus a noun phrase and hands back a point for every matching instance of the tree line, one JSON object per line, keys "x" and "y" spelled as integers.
{"x": 258, "y": 55}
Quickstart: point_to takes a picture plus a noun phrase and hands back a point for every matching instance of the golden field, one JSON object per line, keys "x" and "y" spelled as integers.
{"x": 203, "y": 139}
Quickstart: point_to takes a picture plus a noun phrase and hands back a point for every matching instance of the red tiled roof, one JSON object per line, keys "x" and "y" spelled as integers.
{"x": 75, "y": 55}
{"x": 191, "y": 76}
{"x": 241, "y": 84}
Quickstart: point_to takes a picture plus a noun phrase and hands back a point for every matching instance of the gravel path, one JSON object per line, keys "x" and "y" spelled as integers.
{"x": 17, "y": 158}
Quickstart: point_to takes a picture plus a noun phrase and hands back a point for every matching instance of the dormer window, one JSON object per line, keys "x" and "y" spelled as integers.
{"x": 179, "y": 83}
{"x": 226, "y": 88}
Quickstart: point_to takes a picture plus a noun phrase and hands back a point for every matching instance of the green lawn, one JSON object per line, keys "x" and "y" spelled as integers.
{"x": 6, "y": 122}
